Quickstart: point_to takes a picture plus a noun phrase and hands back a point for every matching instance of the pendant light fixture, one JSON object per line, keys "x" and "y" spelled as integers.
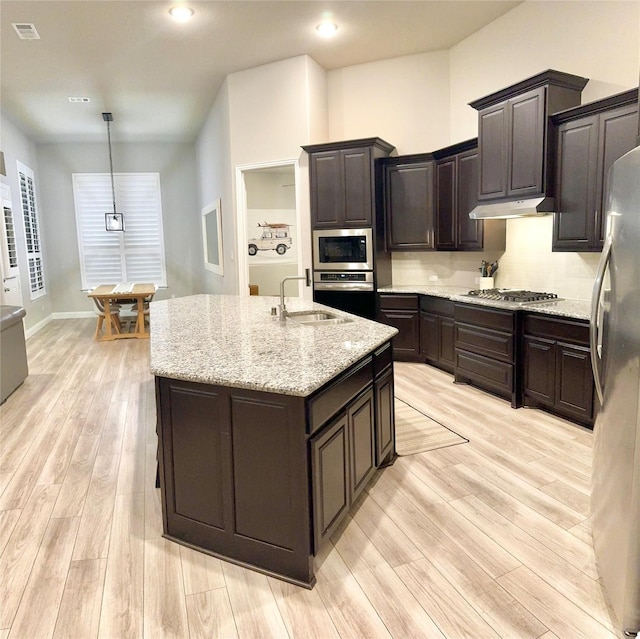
{"x": 112, "y": 221}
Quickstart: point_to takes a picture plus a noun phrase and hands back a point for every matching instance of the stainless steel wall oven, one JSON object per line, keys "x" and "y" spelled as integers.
{"x": 343, "y": 250}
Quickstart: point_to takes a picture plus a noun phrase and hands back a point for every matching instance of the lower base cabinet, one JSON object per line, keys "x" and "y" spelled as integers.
{"x": 557, "y": 367}
{"x": 343, "y": 460}
{"x": 485, "y": 346}
{"x": 401, "y": 312}
{"x": 261, "y": 478}
{"x": 437, "y": 332}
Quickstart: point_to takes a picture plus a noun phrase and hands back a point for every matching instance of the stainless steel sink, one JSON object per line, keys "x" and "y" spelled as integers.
{"x": 317, "y": 318}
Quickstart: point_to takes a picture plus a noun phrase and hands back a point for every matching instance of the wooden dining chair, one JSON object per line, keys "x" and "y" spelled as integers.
{"x": 145, "y": 307}
{"x": 114, "y": 310}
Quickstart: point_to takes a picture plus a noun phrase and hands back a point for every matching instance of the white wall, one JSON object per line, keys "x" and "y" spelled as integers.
{"x": 214, "y": 169}
{"x": 268, "y": 114}
{"x": 597, "y": 40}
{"x": 17, "y": 147}
{"x": 176, "y": 165}
{"x": 404, "y": 101}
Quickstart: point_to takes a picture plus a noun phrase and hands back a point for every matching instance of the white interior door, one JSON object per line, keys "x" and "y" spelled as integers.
{"x": 10, "y": 293}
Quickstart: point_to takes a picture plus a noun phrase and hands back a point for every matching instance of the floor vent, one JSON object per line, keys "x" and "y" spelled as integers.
{"x": 72, "y": 99}
{"x": 26, "y": 30}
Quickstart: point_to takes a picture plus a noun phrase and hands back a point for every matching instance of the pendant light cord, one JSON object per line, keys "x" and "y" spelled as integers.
{"x": 113, "y": 188}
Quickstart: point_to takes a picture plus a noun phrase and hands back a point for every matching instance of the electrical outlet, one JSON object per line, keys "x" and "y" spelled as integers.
{"x": 476, "y": 280}
{"x": 433, "y": 278}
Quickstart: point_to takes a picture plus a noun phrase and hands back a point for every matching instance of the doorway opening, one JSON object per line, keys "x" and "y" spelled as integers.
{"x": 269, "y": 246}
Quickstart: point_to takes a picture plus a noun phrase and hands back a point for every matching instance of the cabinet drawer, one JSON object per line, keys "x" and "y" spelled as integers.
{"x": 485, "y": 342}
{"x": 339, "y": 393}
{"x": 486, "y": 372}
{"x": 555, "y": 328}
{"x": 404, "y": 302}
{"x": 483, "y": 316}
{"x": 436, "y": 305}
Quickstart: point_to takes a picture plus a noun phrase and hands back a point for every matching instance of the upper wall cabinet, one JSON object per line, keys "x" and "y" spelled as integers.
{"x": 590, "y": 138}
{"x": 408, "y": 188}
{"x": 456, "y": 196}
{"x": 515, "y": 141}
{"x": 342, "y": 182}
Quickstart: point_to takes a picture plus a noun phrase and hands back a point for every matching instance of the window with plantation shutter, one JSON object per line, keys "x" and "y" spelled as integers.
{"x": 31, "y": 231}
{"x": 110, "y": 257}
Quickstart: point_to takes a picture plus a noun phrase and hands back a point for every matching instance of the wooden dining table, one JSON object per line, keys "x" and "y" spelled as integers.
{"x": 129, "y": 291}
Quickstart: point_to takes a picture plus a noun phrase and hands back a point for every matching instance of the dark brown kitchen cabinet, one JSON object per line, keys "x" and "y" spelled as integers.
{"x": 408, "y": 185}
{"x": 515, "y": 142}
{"x": 557, "y": 367}
{"x": 485, "y": 349}
{"x": 343, "y": 458}
{"x": 262, "y": 478}
{"x": 385, "y": 411}
{"x": 456, "y": 197}
{"x": 342, "y": 182}
{"x": 437, "y": 335}
{"x": 401, "y": 311}
{"x": 590, "y": 138}
{"x": 330, "y": 469}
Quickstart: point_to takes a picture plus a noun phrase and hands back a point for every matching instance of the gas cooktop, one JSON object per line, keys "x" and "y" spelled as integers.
{"x": 513, "y": 295}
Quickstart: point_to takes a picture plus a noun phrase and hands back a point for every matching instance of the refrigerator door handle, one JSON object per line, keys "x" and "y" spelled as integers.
{"x": 595, "y": 309}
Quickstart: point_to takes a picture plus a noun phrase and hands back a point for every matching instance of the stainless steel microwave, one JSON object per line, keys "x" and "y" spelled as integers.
{"x": 343, "y": 250}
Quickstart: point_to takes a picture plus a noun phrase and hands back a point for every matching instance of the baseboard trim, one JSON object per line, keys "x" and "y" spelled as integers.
{"x": 32, "y": 330}
{"x": 73, "y": 315}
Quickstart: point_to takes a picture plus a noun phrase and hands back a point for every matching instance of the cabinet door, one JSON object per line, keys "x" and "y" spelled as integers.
{"x": 576, "y": 164}
{"x": 327, "y": 194}
{"x": 406, "y": 342}
{"x": 527, "y": 123}
{"x": 429, "y": 336}
{"x": 469, "y": 232}
{"x": 493, "y": 136}
{"x": 539, "y": 369}
{"x": 357, "y": 187}
{"x": 361, "y": 425}
{"x": 409, "y": 210}
{"x": 330, "y": 478}
{"x": 196, "y": 453}
{"x": 385, "y": 417}
{"x": 617, "y": 136}
{"x": 446, "y": 178}
{"x": 447, "y": 355}
{"x": 574, "y": 380}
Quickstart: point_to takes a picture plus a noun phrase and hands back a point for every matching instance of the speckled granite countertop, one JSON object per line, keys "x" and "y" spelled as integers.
{"x": 234, "y": 341}
{"x": 575, "y": 309}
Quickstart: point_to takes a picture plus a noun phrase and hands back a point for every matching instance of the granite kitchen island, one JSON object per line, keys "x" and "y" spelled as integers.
{"x": 267, "y": 430}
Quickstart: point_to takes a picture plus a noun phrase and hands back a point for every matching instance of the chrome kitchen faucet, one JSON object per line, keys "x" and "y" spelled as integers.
{"x": 282, "y": 307}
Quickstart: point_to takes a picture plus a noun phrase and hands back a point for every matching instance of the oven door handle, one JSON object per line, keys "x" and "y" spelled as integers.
{"x": 341, "y": 286}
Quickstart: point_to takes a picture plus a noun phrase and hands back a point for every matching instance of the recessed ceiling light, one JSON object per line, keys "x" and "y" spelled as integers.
{"x": 327, "y": 28}
{"x": 181, "y": 13}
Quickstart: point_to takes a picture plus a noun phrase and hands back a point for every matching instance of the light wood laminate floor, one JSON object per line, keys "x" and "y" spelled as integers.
{"x": 485, "y": 539}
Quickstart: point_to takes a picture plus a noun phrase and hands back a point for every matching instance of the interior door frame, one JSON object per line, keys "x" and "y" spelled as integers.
{"x": 241, "y": 208}
{"x": 8, "y": 273}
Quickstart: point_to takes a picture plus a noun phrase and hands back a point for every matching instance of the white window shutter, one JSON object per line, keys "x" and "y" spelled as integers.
{"x": 106, "y": 257}
{"x": 31, "y": 231}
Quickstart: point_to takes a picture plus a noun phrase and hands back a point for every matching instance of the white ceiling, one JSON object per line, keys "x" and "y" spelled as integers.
{"x": 159, "y": 78}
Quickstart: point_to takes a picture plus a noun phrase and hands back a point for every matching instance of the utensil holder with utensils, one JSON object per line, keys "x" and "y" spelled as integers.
{"x": 485, "y": 283}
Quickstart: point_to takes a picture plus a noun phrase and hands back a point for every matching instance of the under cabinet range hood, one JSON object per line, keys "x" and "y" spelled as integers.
{"x": 502, "y": 210}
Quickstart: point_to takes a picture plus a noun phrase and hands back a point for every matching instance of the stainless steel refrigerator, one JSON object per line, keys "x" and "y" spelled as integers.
{"x": 615, "y": 354}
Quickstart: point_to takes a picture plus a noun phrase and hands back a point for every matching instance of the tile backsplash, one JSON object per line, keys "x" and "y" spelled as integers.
{"x": 527, "y": 262}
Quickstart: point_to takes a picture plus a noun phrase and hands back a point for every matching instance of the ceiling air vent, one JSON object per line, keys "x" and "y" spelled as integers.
{"x": 26, "y": 30}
